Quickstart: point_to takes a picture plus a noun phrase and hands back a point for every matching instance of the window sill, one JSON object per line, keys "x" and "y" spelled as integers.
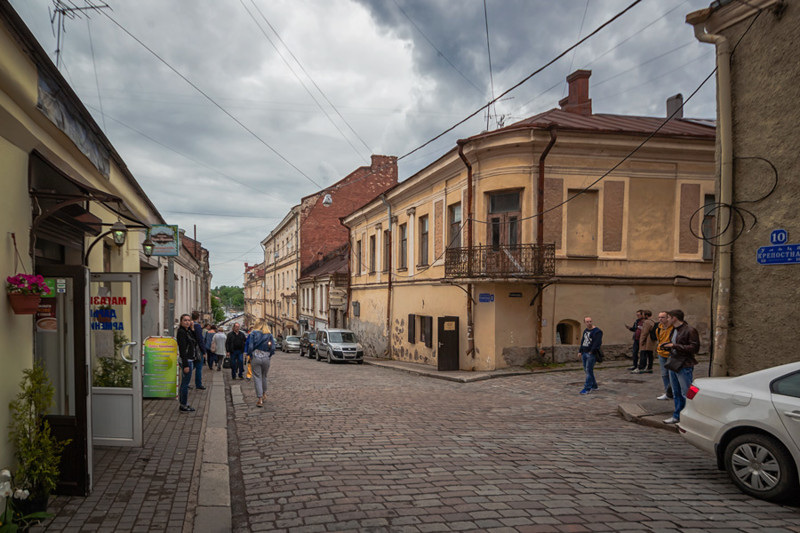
{"x": 402, "y": 269}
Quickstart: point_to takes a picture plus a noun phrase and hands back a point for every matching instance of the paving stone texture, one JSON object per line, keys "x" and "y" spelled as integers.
{"x": 367, "y": 448}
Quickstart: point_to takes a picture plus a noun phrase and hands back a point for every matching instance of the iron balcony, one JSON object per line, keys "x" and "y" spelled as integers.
{"x": 521, "y": 261}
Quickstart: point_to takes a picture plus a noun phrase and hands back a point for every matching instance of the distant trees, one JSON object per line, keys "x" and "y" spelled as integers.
{"x": 229, "y": 297}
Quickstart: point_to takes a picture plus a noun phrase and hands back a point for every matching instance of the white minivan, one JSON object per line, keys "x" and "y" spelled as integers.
{"x": 339, "y": 345}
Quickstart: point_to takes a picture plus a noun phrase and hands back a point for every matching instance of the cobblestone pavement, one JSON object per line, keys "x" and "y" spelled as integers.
{"x": 364, "y": 448}
{"x": 152, "y": 488}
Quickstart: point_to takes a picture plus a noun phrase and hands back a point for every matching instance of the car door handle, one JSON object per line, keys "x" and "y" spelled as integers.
{"x": 793, "y": 414}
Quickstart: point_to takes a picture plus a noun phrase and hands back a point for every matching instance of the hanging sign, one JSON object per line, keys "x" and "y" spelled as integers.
{"x": 166, "y": 240}
{"x": 160, "y": 377}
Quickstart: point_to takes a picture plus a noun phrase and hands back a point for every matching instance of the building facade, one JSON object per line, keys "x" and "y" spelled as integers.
{"x": 254, "y": 303}
{"x": 281, "y": 267}
{"x": 757, "y": 257}
{"x": 323, "y": 292}
{"x": 493, "y": 254}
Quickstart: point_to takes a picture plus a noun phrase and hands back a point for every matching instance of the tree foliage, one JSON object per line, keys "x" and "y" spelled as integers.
{"x": 217, "y": 312}
{"x": 230, "y": 297}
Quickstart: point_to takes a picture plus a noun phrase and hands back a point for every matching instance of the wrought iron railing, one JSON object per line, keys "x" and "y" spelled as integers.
{"x": 517, "y": 261}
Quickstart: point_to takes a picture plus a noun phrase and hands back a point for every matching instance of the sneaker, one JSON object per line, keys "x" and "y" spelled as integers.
{"x": 663, "y": 397}
{"x": 586, "y": 391}
{"x": 187, "y": 408}
{"x": 637, "y": 371}
{"x": 671, "y": 420}
{"x": 633, "y": 368}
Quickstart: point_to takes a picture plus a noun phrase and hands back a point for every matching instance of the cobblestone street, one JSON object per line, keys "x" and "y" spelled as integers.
{"x": 364, "y": 448}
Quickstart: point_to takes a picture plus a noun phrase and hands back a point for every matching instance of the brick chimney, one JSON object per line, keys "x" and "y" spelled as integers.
{"x": 675, "y": 104}
{"x": 578, "y": 100}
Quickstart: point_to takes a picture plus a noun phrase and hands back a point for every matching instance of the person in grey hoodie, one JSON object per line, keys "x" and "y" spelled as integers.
{"x": 260, "y": 348}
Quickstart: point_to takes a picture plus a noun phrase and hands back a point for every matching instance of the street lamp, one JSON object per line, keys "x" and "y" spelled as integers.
{"x": 118, "y": 233}
{"x": 147, "y": 247}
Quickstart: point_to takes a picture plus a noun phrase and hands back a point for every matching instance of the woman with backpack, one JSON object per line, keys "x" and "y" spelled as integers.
{"x": 259, "y": 348}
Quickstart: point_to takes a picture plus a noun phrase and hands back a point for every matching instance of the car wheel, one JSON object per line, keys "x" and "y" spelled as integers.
{"x": 760, "y": 466}
{"x": 316, "y": 354}
{"x": 330, "y": 359}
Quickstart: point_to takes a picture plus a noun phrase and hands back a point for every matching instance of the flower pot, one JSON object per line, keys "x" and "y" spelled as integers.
{"x": 24, "y": 304}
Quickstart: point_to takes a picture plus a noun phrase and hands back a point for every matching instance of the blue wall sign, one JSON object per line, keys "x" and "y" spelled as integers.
{"x": 778, "y": 236}
{"x": 485, "y": 297}
{"x": 779, "y": 255}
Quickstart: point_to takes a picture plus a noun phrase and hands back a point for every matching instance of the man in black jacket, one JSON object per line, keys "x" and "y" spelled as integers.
{"x": 683, "y": 346}
{"x": 234, "y": 347}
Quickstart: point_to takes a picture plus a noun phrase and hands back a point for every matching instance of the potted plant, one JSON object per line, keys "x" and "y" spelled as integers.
{"x": 14, "y": 515}
{"x": 37, "y": 451}
{"x": 24, "y": 292}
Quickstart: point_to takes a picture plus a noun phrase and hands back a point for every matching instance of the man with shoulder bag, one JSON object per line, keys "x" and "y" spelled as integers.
{"x": 683, "y": 346}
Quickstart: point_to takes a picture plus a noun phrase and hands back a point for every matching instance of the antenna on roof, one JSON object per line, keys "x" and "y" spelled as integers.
{"x": 70, "y": 10}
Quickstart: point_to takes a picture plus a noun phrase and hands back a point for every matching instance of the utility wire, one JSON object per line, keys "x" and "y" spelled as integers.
{"x": 439, "y": 52}
{"x": 96, "y": 79}
{"x": 524, "y": 80}
{"x": 214, "y": 102}
{"x": 305, "y": 87}
{"x": 489, "y": 54}
{"x": 572, "y": 58}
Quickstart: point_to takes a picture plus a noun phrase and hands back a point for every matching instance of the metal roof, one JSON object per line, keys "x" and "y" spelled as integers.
{"x": 682, "y": 127}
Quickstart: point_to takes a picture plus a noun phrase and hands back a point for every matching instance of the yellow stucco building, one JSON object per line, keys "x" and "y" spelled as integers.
{"x": 491, "y": 256}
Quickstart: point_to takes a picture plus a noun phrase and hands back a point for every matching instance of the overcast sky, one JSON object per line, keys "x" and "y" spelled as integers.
{"x": 384, "y": 76}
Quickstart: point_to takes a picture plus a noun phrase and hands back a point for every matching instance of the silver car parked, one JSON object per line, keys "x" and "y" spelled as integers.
{"x": 290, "y": 344}
{"x": 339, "y": 345}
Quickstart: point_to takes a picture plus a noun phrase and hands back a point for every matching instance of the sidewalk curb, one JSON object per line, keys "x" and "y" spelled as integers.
{"x": 633, "y": 412}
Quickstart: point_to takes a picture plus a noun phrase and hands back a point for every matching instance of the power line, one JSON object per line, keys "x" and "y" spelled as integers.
{"x": 207, "y": 97}
{"x": 489, "y": 54}
{"x": 319, "y": 105}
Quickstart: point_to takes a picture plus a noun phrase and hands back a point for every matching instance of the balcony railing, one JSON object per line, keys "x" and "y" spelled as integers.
{"x": 526, "y": 261}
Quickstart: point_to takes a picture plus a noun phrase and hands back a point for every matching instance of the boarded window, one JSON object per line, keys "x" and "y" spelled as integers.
{"x": 582, "y": 223}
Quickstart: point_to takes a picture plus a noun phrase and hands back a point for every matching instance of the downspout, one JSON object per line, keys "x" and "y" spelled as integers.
{"x": 389, "y": 281}
{"x": 540, "y": 238}
{"x": 721, "y": 311}
{"x": 347, "y": 299}
{"x": 470, "y": 311}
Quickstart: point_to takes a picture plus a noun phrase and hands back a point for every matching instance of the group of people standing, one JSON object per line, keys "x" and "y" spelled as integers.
{"x": 198, "y": 344}
{"x": 671, "y": 339}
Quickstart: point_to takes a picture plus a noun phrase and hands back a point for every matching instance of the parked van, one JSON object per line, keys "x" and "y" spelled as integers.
{"x": 339, "y": 345}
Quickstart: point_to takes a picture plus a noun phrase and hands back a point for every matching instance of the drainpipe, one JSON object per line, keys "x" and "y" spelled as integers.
{"x": 721, "y": 312}
{"x": 540, "y": 237}
{"x": 470, "y": 317}
{"x": 347, "y": 299}
{"x": 389, "y": 284}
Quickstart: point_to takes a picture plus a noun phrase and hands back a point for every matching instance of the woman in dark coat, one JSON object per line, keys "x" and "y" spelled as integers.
{"x": 187, "y": 354}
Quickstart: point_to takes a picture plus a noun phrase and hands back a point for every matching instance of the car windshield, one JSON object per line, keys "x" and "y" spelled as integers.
{"x": 291, "y": 338}
{"x": 342, "y": 336}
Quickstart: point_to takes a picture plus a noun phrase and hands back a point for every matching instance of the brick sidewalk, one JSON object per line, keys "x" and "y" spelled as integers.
{"x": 152, "y": 488}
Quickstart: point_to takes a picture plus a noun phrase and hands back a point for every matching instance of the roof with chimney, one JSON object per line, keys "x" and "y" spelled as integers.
{"x": 333, "y": 263}
{"x": 575, "y": 113}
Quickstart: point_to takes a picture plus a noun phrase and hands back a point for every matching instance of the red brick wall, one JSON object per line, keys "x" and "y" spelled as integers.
{"x": 320, "y": 230}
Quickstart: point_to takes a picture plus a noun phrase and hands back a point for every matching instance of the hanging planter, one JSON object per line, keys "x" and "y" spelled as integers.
{"x": 24, "y": 293}
{"x": 24, "y": 304}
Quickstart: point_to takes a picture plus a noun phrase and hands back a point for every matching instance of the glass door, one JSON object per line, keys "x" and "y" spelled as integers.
{"x": 116, "y": 348}
{"x": 61, "y": 342}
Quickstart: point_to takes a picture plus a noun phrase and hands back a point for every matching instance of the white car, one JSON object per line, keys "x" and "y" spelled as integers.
{"x": 751, "y": 423}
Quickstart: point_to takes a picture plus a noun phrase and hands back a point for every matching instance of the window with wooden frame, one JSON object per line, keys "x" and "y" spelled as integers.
{"x": 504, "y": 215}
{"x": 426, "y": 330}
{"x": 403, "y": 247}
{"x": 412, "y": 329}
{"x": 454, "y": 226}
{"x": 423, "y": 241}
{"x": 358, "y": 258}
{"x": 387, "y": 249}
{"x": 372, "y": 252}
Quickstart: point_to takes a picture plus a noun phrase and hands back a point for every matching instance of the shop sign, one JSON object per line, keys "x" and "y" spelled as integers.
{"x": 166, "y": 240}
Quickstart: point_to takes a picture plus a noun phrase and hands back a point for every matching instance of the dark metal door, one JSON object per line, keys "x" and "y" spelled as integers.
{"x": 61, "y": 344}
{"x": 448, "y": 343}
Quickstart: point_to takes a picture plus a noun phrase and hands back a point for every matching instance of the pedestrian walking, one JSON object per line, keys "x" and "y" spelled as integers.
{"x": 591, "y": 342}
{"x": 259, "y": 349}
{"x": 218, "y": 348}
{"x": 683, "y": 345}
{"x": 647, "y": 344}
{"x": 234, "y": 347}
{"x": 187, "y": 353}
{"x": 663, "y": 332}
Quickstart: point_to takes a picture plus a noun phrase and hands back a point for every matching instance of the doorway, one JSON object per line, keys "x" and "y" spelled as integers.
{"x": 447, "y": 356}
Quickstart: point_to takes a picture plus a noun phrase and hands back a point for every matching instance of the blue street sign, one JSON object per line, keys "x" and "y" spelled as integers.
{"x": 778, "y": 236}
{"x": 485, "y": 297}
{"x": 779, "y": 255}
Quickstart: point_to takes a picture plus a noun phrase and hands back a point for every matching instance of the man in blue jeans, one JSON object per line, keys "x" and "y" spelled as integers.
{"x": 683, "y": 345}
{"x": 590, "y": 344}
{"x": 234, "y": 347}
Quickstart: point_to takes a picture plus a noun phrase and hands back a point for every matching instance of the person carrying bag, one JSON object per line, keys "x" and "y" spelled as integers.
{"x": 260, "y": 348}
